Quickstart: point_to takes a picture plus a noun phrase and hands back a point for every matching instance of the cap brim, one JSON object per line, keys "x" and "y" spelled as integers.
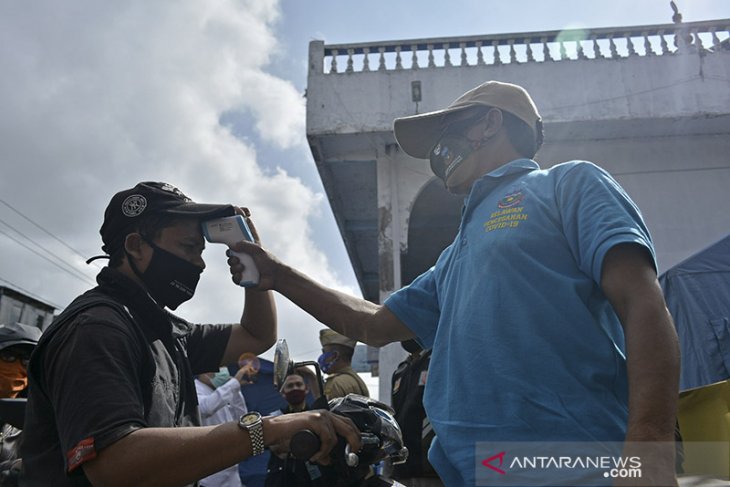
{"x": 199, "y": 210}
{"x": 10, "y": 343}
{"x": 417, "y": 134}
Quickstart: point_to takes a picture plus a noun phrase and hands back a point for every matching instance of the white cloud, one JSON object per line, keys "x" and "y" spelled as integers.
{"x": 98, "y": 96}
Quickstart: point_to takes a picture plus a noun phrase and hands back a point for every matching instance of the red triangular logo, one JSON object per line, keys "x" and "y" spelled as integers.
{"x": 487, "y": 462}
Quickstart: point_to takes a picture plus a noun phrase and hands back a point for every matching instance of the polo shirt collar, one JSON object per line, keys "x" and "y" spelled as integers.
{"x": 491, "y": 180}
{"x": 513, "y": 167}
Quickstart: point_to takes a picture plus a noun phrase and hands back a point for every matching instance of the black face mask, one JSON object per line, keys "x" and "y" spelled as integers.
{"x": 169, "y": 279}
{"x": 453, "y": 148}
{"x": 449, "y": 153}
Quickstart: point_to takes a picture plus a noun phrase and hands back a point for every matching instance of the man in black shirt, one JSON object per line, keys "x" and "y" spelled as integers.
{"x": 407, "y": 386}
{"x": 283, "y": 470}
{"x": 112, "y": 399}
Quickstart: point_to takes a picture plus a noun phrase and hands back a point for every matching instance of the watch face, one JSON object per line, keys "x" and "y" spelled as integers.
{"x": 250, "y": 418}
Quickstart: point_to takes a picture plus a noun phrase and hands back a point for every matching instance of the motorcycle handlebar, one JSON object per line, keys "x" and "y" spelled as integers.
{"x": 304, "y": 444}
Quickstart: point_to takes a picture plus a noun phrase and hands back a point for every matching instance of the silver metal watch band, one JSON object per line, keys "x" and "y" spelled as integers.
{"x": 252, "y": 423}
{"x": 256, "y": 432}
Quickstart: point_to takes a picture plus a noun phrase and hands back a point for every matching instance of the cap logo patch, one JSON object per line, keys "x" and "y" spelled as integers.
{"x": 172, "y": 189}
{"x": 134, "y": 205}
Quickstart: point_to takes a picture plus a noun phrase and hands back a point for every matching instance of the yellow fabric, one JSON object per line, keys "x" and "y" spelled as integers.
{"x": 704, "y": 416}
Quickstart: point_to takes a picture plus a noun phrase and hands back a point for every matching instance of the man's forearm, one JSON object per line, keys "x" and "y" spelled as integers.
{"x": 160, "y": 457}
{"x": 349, "y": 315}
{"x": 259, "y": 316}
{"x": 168, "y": 456}
{"x": 653, "y": 369}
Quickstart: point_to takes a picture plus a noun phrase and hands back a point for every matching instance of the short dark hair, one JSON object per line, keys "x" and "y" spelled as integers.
{"x": 345, "y": 352}
{"x": 523, "y": 138}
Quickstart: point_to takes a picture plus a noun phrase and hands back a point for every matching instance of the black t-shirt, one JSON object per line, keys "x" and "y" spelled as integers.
{"x": 112, "y": 363}
{"x": 408, "y": 384}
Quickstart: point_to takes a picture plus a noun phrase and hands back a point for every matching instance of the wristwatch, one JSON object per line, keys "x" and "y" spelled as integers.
{"x": 252, "y": 423}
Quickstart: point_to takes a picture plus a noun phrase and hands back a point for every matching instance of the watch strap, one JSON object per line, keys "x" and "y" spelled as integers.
{"x": 255, "y": 432}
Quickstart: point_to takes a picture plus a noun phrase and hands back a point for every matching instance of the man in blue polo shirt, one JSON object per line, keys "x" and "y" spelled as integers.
{"x": 545, "y": 316}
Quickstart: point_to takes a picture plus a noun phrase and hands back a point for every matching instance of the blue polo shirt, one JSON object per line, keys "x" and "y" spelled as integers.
{"x": 526, "y": 346}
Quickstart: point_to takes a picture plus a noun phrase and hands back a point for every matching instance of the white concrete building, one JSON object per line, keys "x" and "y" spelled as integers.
{"x": 650, "y": 104}
{"x": 18, "y": 307}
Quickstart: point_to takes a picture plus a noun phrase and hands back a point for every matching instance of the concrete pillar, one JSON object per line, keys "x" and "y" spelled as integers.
{"x": 390, "y": 235}
{"x": 316, "y": 58}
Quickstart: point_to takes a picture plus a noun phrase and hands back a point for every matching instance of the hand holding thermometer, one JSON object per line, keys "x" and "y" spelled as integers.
{"x": 231, "y": 230}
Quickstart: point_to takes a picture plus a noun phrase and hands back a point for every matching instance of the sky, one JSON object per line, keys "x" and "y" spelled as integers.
{"x": 208, "y": 96}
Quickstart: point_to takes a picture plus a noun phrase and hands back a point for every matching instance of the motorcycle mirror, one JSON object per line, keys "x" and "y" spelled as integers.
{"x": 283, "y": 364}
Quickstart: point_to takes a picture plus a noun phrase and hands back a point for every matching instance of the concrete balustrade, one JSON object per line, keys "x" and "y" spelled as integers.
{"x": 530, "y": 47}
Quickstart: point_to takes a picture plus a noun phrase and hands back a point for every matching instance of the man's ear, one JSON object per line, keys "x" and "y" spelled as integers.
{"x": 133, "y": 245}
{"x": 492, "y": 122}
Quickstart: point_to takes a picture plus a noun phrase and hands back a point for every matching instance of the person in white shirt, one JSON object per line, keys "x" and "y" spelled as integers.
{"x": 220, "y": 401}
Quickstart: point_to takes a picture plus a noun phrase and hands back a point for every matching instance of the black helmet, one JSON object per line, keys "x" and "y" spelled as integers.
{"x": 18, "y": 334}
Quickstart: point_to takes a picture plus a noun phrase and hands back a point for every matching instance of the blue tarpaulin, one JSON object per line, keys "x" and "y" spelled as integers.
{"x": 697, "y": 292}
{"x": 263, "y": 397}
{"x": 260, "y": 396}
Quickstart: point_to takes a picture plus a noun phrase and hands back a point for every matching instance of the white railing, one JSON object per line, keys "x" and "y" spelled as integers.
{"x": 531, "y": 47}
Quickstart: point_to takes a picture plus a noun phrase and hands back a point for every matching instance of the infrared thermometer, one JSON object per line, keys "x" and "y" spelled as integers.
{"x": 231, "y": 230}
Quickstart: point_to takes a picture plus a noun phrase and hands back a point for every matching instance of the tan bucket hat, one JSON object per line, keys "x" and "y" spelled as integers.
{"x": 417, "y": 134}
{"x": 331, "y": 337}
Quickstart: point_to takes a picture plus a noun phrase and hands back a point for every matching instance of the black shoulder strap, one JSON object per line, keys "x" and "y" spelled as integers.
{"x": 89, "y": 299}
{"x": 86, "y": 301}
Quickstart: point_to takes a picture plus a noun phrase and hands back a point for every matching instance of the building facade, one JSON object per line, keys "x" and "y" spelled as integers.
{"x": 16, "y": 307}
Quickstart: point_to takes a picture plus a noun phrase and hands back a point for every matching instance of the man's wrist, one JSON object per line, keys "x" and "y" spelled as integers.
{"x": 252, "y": 423}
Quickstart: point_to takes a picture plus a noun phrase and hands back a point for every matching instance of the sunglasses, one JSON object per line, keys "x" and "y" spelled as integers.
{"x": 460, "y": 127}
{"x": 11, "y": 356}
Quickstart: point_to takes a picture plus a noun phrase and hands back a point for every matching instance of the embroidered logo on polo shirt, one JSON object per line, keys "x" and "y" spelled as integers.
{"x": 509, "y": 214}
{"x": 512, "y": 199}
{"x": 82, "y": 452}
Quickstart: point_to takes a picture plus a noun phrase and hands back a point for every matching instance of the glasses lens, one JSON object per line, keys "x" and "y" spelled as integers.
{"x": 10, "y": 356}
{"x": 460, "y": 127}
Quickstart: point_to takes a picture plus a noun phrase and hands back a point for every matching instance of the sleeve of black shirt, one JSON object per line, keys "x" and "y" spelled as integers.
{"x": 92, "y": 375}
{"x": 206, "y": 345}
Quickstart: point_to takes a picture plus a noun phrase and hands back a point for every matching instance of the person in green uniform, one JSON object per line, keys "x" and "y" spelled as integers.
{"x": 336, "y": 362}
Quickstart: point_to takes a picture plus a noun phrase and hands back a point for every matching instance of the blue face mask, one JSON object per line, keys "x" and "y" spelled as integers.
{"x": 326, "y": 360}
{"x": 220, "y": 377}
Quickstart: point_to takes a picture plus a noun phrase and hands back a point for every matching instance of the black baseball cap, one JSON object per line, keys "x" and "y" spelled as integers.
{"x": 128, "y": 207}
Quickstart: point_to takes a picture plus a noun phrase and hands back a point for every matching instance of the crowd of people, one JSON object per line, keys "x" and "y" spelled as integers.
{"x": 543, "y": 317}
